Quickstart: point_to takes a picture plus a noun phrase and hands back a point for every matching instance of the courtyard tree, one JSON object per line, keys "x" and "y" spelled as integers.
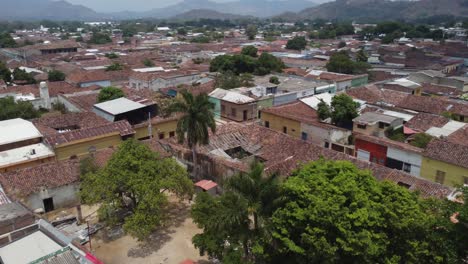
{"x": 344, "y": 109}
{"x": 110, "y": 93}
{"x": 56, "y": 76}
{"x": 332, "y": 212}
{"x": 5, "y": 73}
{"x": 323, "y": 110}
{"x": 196, "y": 121}
{"x": 132, "y": 188}
{"x": 249, "y": 51}
{"x": 251, "y": 31}
{"x": 23, "y": 76}
{"x": 340, "y": 62}
{"x": 10, "y": 109}
{"x": 297, "y": 43}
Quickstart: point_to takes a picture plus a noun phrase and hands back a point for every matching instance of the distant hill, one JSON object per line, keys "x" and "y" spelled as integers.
{"x": 44, "y": 9}
{"x": 378, "y": 10}
{"x": 256, "y": 8}
{"x": 208, "y": 14}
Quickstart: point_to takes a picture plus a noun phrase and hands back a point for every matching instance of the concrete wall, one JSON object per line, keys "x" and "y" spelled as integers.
{"x": 163, "y": 128}
{"x": 342, "y": 86}
{"x": 217, "y": 106}
{"x": 278, "y": 123}
{"x": 360, "y": 81}
{"x": 100, "y": 83}
{"x": 319, "y": 135}
{"x": 103, "y": 114}
{"x": 70, "y": 107}
{"x": 27, "y": 164}
{"x": 82, "y": 148}
{"x": 284, "y": 99}
{"x": 63, "y": 197}
{"x": 454, "y": 175}
{"x": 238, "y": 114}
{"x": 412, "y": 158}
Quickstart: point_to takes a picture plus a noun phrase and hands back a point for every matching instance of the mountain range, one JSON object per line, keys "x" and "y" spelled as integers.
{"x": 290, "y": 10}
{"x": 378, "y": 10}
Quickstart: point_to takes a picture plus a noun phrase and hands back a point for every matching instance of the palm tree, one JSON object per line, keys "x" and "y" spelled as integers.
{"x": 258, "y": 190}
{"x": 197, "y": 118}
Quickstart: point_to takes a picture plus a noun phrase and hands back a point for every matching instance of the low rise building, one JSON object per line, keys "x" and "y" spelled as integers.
{"x": 156, "y": 81}
{"x": 22, "y": 145}
{"x": 233, "y": 106}
{"x": 375, "y": 124}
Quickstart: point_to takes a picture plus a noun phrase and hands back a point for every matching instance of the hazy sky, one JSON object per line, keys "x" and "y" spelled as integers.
{"x": 134, "y": 5}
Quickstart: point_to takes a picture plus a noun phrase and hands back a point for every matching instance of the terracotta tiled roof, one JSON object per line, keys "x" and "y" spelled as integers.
{"x": 297, "y": 111}
{"x": 374, "y": 95}
{"x": 55, "y": 88}
{"x": 460, "y": 136}
{"x": 449, "y": 152}
{"x": 24, "y": 182}
{"x": 426, "y": 104}
{"x": 79, "y": 77}
{"x": 121, "y": 127}
{"x": 78, "y": 120}
{"x": 84, "y": 102}
{"x": 440, "y": 90}
{"x": 282, "y": 153}
{"x": 423, "y": 121}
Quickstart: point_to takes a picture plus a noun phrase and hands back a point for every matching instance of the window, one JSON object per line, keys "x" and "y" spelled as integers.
{"x": 440, "y": 177}
{"x": 161, "y": 135}
{"x": 259, "y": 114}
{"x": 407, "y": 167}
{"x": 267, "y": 124}
{"x": 223, "y": 108}
{"x": 465, "y": 180}
{"x": 172, "y": 134}
{"x": 361, "y": 126}
{"x": 382, "y": 125}
{"x": 304, "y": 136}
{"x": 327, "y": 145}
{"x": 233, "y": 112}
{"x": 285, "y": 130}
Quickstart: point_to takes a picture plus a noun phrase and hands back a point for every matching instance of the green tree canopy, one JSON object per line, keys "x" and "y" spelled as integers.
{"x": 112, "y": 55}
{"x": 340, "y": 62}
{"x": 421, "y": 140}
{"x": 274, "y": 80}
{"x": 5, "y": 73}
{"x": 361, "y": 56}
{"x": 344, "y": 109}
{"x": 239, "y": 64}
{"x": 249, "y": 51}
{"x": 56, "y": 76}
{"x": 6, "y": 41}
{"x": 114, "y": 67}
{"x": 323, "y": 110}
{"x": 22, "y": 75}
{"x": 251, "y": 31}
{"x": 336, "y": 213}
{"x": 9, "y": 109}
{"x": 109, "y": 93}
{"x": 148, "y": 63}
{"x": 297, "y": 43}
{"x": 100, "y": 38}
{"x": 132, "y": 188}
{"x": 196, "y": 121}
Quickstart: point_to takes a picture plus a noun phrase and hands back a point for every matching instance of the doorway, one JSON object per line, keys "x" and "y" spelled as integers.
{"x": 48, "y": 204}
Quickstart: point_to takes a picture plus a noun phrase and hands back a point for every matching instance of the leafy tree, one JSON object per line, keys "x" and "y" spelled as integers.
{"x": 323, "y": 110}
{"x": 342, "y": 44}
{"x": 251, "y": 31}
{"x": 148, "y": 63}
{"x": 200, "y": 39}
{"x": 6, "y": 41}
{"x": 182, "y": 31}
{"x": 100, "y": 38}
{"x": 239, "y": 64}
{"x": 5, "y": 73}
{"x": 114, "y": 67}
{"x": 229, "y": 80}
{"x": 344, "y": 109}
{"x": 274, "y": 80}
{"x": 132, "y": 186}
{"x": 9, "y": 109}
{"x": 56, "y": 76}
{"x": 109, "y": 93}
{"x": 59, "y": 107}
{"x": 341, "y": 63}
{"x": 361, "y": 56}
{"x": 268, "y": 63}
{"x": 112, "y": 55}
{"x": 250, "y": 51}
{"x": 196, "y": 121}
{"x": 22, "y": 75}
{"x": 421, "y": 140}
{"x": 333, "y": 212}
{"x": 297, "y": 43}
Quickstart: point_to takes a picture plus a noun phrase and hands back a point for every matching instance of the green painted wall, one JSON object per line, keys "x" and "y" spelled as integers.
{"x": 454, "y": 175}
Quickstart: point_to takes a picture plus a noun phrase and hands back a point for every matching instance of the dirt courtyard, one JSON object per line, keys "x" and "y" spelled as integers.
{"x": 170, "y": 244}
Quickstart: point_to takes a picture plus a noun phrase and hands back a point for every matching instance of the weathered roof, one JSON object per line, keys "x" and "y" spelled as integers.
{"x": 206, "y": 184}
{"x": 24, "y": 182}
{"x": 449, "y": 152}
{"x": 15, "y": 130}
{"x": 119, "y": 106}
{"x": 423, "y": 121}
{"x": 297, "y": 111}
{"x": 373, "y": 117}
{"x": 231, "y": 97}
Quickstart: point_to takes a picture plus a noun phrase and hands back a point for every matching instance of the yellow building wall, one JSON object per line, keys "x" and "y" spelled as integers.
{"x": 277, "y": 123}
{"x": 27, "y": 164}
{"x": 161, "y": 128}
{"x": 454, "y": 175}
{"x": 82, "y": 148}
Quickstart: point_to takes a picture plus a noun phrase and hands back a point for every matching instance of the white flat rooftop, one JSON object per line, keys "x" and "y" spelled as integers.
{"x": 24, "y": 154}
{"x": 232, "y": 97}
{"x": 119, "y": 106}
{"x": 28, "y": 249}
{"x": 15, "y": 130}
{"x": 446, "y": 130}
{"x": 151, "y": 69}
{"x": 313, "y": 101}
